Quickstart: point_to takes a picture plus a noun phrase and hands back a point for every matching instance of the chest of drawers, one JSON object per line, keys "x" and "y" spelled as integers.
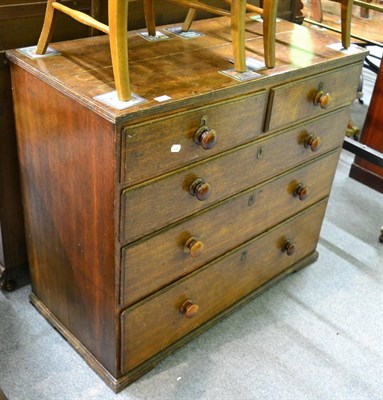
{"x": 147, "y": 225}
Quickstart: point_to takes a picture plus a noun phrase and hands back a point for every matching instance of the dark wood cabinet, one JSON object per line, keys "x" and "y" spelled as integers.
{"x": 372, "y": 135}
{"x": 140, "y": 236}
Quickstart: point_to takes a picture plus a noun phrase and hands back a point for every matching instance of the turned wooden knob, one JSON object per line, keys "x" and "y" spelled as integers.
{"x": 289, "y": 247}
{"x": 201, "y": 189}
{"x": 322, "y": 99}
{"x": 206, "y": 137}
{"x": 301, "y": 191}
{"x": 313, "y": 142}
{"x": 193, "y": 247}
{"x": 189, "y": 309}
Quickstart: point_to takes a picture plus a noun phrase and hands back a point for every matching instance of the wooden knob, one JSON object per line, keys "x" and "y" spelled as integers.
{"x": 313, "y": 142}
{"x": 201, "y": 189}
{"x": 289, "y": 247}
{"x": 301, "y": 191}
{"x": 189, "y": 309}
{"x": 322, "y": 99}
{"x": 206, "y": 137}
{"x": 193, "y": 247}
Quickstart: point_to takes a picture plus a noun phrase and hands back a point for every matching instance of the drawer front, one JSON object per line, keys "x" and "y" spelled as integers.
{"x": 158, "y": 261}
{"x": 157, "y": 322}
{"x": 295, "y": 101}
{"x": 151, "y": 206}
{"x": 152, "y": 149}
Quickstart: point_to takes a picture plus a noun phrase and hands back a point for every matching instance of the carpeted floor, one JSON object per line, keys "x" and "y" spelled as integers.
{"x": 318, "y": 334}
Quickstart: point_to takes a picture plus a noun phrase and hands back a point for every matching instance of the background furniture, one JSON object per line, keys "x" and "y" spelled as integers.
{"x": 133, "y": 252}
{"x": 345, "y": 8}
{"x": 372, "y": 135}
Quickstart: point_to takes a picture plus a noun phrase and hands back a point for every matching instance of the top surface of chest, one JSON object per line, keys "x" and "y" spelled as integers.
{"x": 187, "y": 71}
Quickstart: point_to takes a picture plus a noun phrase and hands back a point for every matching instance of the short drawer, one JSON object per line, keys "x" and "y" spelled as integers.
{"x": 306, "y": 98}
{"x": 151, "y": 206}
{"x": 157, "y": 322}
{"x": 151, "y": 264}
{"x": 151, "y": 149}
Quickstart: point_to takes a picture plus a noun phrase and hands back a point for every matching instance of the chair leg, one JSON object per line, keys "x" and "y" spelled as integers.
{"x": 189, "y": 19}
{"x": 118, "y": 39}
{"x": 270, "y": 8}
{"x": 150, "y": 17}
{"x": 317, "y": 12}
{"x": 346, "y": 13}
{"x": 47, "y": 30}
{"x": 238, "y": 12}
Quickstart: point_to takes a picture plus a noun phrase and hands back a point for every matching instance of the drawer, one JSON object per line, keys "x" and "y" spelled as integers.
{"x": 151, "y": 149}
{"x": 163, "y": 258}
{"x": 156, "y": 322}
{"x": 157, "y": 203}
{"x": 295, "y": 101}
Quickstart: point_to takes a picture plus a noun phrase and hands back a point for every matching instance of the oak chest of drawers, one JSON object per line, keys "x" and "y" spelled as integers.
{"x": 147, "y": 225}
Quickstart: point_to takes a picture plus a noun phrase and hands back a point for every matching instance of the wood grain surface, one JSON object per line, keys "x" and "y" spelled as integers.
{"x": 67, "y": 164}
{"x": 215, "y": 288}
{"x": 168, "y": 198}
{"x": 159, "y": 260}
{"x": 148, "y": 149}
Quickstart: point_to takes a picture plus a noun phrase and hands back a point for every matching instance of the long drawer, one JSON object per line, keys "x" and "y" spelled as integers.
{"x": 157, "y": 203}
{"x": 165, "y": 317}
{"x": 152, "y": 149}
{"x": 151, "y": 264}
{"x": 312, "y": 96}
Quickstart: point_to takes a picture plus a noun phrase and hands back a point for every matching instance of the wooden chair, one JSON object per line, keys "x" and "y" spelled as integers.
{"x": 345, "y": 18}
{"x": 237, "y": 14}
{"x": 116, "y": 29}
{"x": 346, "y": 14}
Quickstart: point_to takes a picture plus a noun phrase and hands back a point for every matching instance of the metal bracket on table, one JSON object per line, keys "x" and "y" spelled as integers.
{"x": 363, "y": 151}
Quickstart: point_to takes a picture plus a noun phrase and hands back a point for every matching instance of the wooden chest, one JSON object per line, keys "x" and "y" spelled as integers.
{"x": 147, "y": 225}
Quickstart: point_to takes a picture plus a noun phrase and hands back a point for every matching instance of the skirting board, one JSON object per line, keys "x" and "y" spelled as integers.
{"x": 367, "y": 177}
